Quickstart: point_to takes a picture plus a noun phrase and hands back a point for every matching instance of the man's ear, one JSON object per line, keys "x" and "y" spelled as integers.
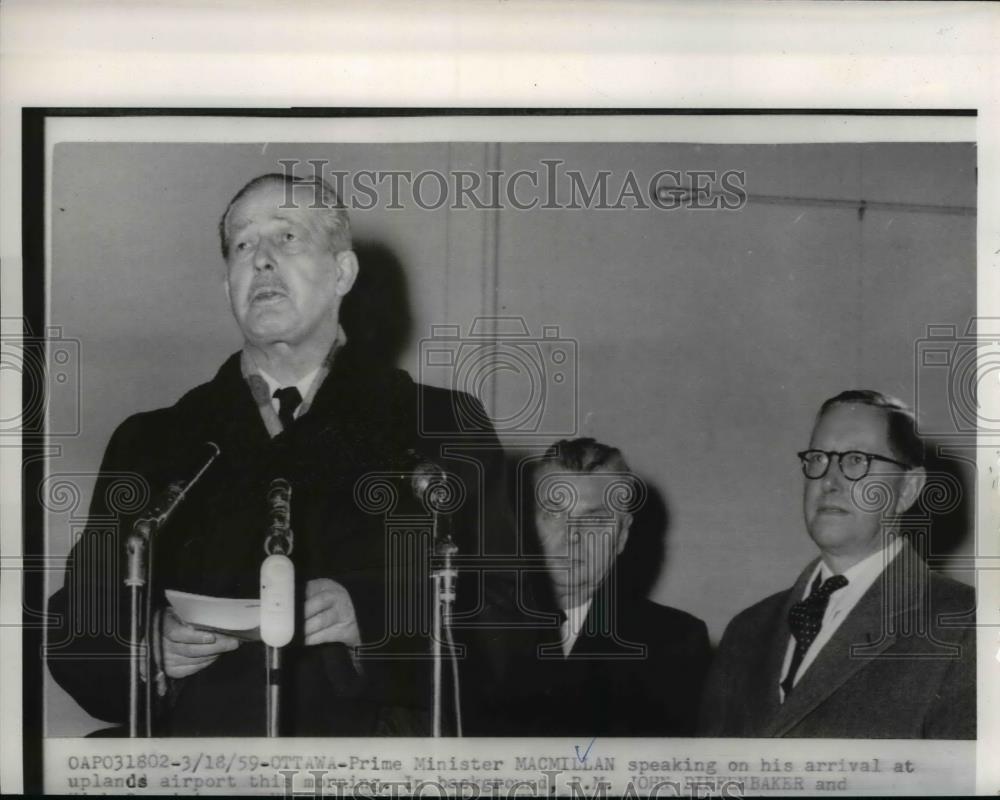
{"x": 913, "y": 485}
{"x": 347, "y": 271}
{"x": 624, "y": 525}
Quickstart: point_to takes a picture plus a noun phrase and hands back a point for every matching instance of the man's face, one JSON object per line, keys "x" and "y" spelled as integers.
{"x": 580, "y": 539}
{"x": 835, "y": 506}
{"x": 284, "y": 282}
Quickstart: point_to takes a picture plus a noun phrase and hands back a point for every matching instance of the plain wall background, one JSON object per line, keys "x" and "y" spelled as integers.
{"x": 705, "y": 339}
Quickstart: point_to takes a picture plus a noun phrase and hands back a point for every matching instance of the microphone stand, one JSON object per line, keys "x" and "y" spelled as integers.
{"x": 138, "y": 575}
{"x": 429, "y": 484}
{"x": 443, "y": 580}
{"x": 135, "y": 580}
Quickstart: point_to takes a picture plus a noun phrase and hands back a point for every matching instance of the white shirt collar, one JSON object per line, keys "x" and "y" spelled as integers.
{"x": 859, "y": 577}
{"x": 575, "y": 617}
{"x": 303, "y": 385}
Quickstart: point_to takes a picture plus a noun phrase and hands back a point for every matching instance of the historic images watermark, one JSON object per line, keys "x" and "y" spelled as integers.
{"x": 563, "y": 779}
{"x": 543, "y": 365}
{"x": 551, "y": 184}
{"x": 48, "y": 367}
{"x": 950, "y": 367}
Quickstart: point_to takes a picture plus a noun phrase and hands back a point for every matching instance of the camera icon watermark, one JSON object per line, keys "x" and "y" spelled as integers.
{"x": 533, "y": 380}
{"x": 49, "y": 371}
{"x": 950, "y": 370}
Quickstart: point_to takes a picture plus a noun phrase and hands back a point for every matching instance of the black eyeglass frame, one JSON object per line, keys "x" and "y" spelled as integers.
{"x": 869, "y": 457}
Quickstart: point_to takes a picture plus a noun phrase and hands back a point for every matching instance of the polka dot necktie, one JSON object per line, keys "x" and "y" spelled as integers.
{"x": 805, "y": 618}
{"x": 288, "y": 400}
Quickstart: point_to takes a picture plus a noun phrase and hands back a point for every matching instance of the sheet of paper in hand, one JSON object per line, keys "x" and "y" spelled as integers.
{"x": 239, "y": 617}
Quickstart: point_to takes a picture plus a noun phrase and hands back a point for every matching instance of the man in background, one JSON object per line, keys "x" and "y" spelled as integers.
{"x": 868, "y": 643}
{"x": 617, "y": 664}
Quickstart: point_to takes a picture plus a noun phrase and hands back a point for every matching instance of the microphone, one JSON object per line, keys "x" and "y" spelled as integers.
{"x": 138, "y": 571}
{"x": 158, "y": 514}
{"x": 279, "y": 500}
{"x": 429, "y": 484}
{"x": 277, "y": 573}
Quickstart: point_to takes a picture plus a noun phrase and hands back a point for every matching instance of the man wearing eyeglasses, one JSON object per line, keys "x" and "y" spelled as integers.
{"x": 868, "y": 643}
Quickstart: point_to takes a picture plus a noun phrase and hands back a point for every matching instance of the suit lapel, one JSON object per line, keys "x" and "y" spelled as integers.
{"x": 861, "y": 637}
{"x": 234, "y": 412}
{"x": 605, "y": 630}
{"x": 764, "y": 698}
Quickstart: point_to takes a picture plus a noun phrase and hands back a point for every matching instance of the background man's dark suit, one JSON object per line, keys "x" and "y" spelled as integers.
{"x": 894, "y": 686}
{"x": 362, "y": 419}
{"x": 608, "y": 687}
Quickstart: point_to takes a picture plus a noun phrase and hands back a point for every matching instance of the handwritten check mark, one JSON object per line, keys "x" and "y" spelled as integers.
{"x": 583, "y": 759}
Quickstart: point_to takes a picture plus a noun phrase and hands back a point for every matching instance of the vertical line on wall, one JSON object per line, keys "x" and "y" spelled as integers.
{"x": 447, "y": 244}
{"x": 858, "y": 364}
{"x": 491, "y": 260}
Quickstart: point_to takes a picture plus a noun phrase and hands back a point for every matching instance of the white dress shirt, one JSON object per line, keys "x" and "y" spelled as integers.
{"x": 860, "y": 577}
{"x": 571, "y": 627}
{"x": 303, "y": 386}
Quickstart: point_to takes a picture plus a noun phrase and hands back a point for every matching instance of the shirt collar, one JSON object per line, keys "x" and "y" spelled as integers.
{"x": 575, "y": 619}
{"x": 303, "y": 385}
{"x": 577, "y": 614}
{"x": 863, "y": 574}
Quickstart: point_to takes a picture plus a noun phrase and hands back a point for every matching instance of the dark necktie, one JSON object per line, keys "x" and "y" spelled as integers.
{"x": 805, "y": 618}
{"x": 288, "y": 400}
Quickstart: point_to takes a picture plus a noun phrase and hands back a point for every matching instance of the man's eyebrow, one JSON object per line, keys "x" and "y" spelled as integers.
{"x": 597, "y": 510}
{"x": 234, "y": 223}
{"x": 242, "y": 222}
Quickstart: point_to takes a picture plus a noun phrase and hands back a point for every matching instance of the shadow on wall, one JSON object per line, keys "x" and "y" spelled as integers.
{"x": 947, "y": 504}
{"x": 376, "y": 313}
{"x": 644, "y": 556}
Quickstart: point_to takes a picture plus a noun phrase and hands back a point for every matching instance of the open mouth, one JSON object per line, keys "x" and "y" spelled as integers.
{"x": 267, "y": 294}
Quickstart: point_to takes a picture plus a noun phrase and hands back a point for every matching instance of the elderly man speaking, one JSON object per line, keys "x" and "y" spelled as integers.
{"x": 299, "y": 403}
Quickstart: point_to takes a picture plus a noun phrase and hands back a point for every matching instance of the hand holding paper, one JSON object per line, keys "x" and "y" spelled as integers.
{"x": 197, "y": 629}
{"x": 329, "y": 614}
{"x": 187, "y": 650}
